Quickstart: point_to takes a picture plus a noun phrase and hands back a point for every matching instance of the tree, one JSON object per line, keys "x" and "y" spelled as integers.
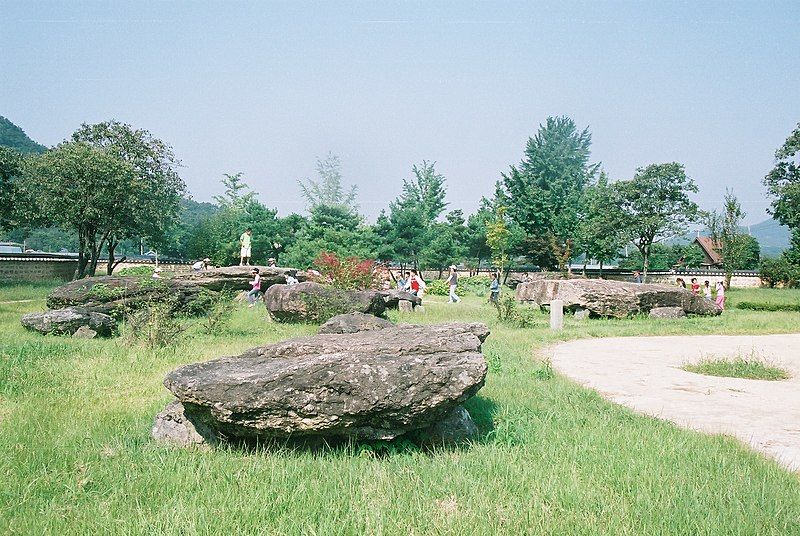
{"x": 735, "y": 247}
{"x": 10, "y": 170}
{"x": 498, "y": 238}
{"x": 545, "y": 191}
{"x": 426, "y": 191}
{"x": 477, "y": 248}
{"x": 80, "y": 187}
{"x": 15, "y": 138}
{"x": 656, "y": 206}
{"x": 783, "y": 185}
{"x": 150, "y": 201}
{"x": 236, "y": 196}
{"x": 600, "y": 234}
{"x": 328, "y": 189}
{"x": 446, "y": 242}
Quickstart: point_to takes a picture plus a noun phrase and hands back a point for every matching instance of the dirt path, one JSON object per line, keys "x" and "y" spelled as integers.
{"x": 643, "y": 373}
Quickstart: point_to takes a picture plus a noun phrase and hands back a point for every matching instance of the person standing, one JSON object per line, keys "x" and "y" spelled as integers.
{"x": 452, "y": 280}
{"x": 637, "y": 276}
{"x": 695, "y": 286}
{"x": 707, "y": 289}
{"x": 720, "y": 295}
{"x": 245, "y": 242}
{"x": 252, "y": 296}
{"x": 494, "y": 289}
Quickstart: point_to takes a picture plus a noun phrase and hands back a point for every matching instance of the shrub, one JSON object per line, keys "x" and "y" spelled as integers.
{"x": 510, "y": 312}
{"x": 143, "y": 270}
{"x": 779, "y": 272}
{"x": 753, "y": 306}
{"x": 350, "y": 273}
{"x": 438, "y": 287}
{"x": 155, "y": 324}
{"x": 476, "y": 285}
{"x": 749, "y": 367}
{"x": 323, "y": 307}
{"x": 219, "y": 307}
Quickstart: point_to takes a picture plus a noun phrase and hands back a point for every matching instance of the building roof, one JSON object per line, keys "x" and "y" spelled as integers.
{"x": 711, "y": 249}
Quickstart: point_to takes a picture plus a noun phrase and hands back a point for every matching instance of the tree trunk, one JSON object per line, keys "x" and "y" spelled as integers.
{"x": 82, "y": 260}
{"x": 112, "y": 245}
{"x": 645, "y": 263}
{"x": 601, "y": 269}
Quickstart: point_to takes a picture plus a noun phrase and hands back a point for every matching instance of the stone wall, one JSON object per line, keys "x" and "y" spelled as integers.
{"x": 32, "y": 267}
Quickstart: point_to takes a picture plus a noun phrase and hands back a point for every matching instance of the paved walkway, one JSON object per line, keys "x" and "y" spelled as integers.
{"x": 644, "y": 374}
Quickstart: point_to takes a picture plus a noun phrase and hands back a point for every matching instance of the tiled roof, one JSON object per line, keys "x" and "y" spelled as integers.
{"x": 710, "y": 248}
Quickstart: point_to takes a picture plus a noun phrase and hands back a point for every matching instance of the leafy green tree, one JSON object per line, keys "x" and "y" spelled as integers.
{"x": 498, "y": 238}
{"x": 783, "y": 185}
{"x": 656, "y": 206}
{"x": 600, "y": 234}
{"x": 150, "y": 200}
{"x": 82, "y": 187}
{"x": 328, "y": 188}
{"x": 477, "y": 222}
{"x": 735, "y": 246}
{"x": 10, "y": 201}
{"x": 236, "y": 196}
{"x": 446, "y": 242}
{"x": 545, "y": 191}
{"x": 426, "y": 190}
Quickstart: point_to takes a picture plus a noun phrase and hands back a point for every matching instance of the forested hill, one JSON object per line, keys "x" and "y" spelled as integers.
{"x": 13, "y": 136}
{"x": 773, "y": 237}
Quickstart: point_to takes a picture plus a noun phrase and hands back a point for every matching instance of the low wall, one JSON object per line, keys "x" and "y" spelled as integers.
{"x": 166, "y": 266}
{"x": 33, "y": 267}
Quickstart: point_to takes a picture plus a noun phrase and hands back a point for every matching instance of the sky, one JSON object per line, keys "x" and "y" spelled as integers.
{"x": 265, "y": 88}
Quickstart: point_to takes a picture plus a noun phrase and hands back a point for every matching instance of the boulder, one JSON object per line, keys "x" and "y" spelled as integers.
{"x": 312, "y": 302}
{"x": 353, "y": 323}
{"x": 613, "y": 298}
{"x": 68, "y": 320}
{"x": 456, "y": 427}
{"x": 84, "y": 332}
{"x": 355, "y": 385}
{"x": 114, "y": 295}
{"x": 172, "y": 426}
{"x": 394, "y": 297}
{"x": 667, "y": 312}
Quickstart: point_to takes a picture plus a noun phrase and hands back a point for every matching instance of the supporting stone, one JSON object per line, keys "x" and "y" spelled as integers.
{"x": 556, "y": 315}
{"x": 405, "y": 306}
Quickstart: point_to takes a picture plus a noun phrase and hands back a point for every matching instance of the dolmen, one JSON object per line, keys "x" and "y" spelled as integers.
{"x": 368, "y": 385}
{"x": 312, "y": 302}
{"x": 616, "y": 299}
{"x": 69, "y": 321}
{"x": 79, "y": 302}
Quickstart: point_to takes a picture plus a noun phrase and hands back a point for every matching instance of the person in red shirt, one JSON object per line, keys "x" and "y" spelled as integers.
{"x": 695, "y": 286}
{"x": 415, "y": 284}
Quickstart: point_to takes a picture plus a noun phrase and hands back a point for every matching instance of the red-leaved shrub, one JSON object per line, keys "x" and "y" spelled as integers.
{"x": 350, "y": 273}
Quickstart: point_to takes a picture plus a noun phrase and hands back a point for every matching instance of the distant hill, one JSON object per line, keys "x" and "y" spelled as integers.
{"x": 773, "y": 237}
{"x": 13, "y": 136}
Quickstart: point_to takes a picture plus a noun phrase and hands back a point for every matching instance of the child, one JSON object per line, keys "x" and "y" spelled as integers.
{"x": 402, "y": 280}
{"x": 494, "y": 289}
{"x": 720, "y": 296}
{"x": 695, "y": 286}
{"x": 416, "y": 285}
{"x": 707, "y": 289}
{"x": 245, "y": 242}
{"x": 254, "y": 293}
{"x": 291, "y": 278}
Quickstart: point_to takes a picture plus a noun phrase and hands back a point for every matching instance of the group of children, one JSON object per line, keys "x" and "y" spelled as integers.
{"x": 413, "y": 282}
{"x": 706, "y": 288}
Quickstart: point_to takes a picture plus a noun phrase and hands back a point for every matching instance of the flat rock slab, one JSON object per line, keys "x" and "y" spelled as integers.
{"x": 114, "y": 295}
{"x": 353, "y": 323}
{"x": 644, "y": 374}
{"x": 366, "y": 385}
{"x": 70, "y": 320}
{"x": 394, "y": 297}
{"x": 667, "y": 312}
{"x": 312, "y": 302}
{"x": 613, "y": 298}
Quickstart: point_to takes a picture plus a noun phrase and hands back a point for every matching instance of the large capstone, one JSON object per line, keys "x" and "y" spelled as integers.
{"x": 117, "y": 295}
{"x": 613, "y": 298}
{"x": 366, "y": 385}
{"x": 353, "y": 323}
{"x": 69, "y": 320}
{"x": 312, "y": 302}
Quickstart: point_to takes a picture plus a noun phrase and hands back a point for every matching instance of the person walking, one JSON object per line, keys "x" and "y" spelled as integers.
{"x": 494, "y": 289}
{"x": 254, "y": 293}
{"x": 720, "y": 296}
{"x": 245, "y": 242}
{"x": 452, "y": 280}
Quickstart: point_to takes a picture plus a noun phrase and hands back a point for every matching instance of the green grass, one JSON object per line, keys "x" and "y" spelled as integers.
{"x": 767, "y": 296}
{"x": 748, "y": 367}
{"x": 553, "y": 458}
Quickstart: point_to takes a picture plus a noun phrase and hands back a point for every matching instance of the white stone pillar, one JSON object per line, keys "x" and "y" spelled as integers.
{"x": 556, "y": 315}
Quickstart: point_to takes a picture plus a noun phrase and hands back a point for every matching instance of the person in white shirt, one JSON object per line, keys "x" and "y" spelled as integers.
{"x": 199, "y": 266}
{"x": 452, "y": 280}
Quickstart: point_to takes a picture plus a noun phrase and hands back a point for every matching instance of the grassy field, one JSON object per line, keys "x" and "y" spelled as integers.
{"x": 554, "y": 458}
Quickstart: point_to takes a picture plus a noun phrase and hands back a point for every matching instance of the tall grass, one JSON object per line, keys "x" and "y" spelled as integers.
{"x": 553, "y": 458}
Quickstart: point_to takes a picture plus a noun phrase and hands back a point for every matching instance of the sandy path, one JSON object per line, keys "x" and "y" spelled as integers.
{"x": 644, "y": 374}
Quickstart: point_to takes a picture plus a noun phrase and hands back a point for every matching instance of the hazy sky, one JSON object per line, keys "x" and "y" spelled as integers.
{"x": 264, "y": 88}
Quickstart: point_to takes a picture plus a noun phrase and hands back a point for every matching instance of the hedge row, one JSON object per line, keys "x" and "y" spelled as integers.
{"x": 768, "y": 306}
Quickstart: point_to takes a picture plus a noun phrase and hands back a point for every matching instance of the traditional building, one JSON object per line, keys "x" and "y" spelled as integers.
{"x": 711, "y": 251}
